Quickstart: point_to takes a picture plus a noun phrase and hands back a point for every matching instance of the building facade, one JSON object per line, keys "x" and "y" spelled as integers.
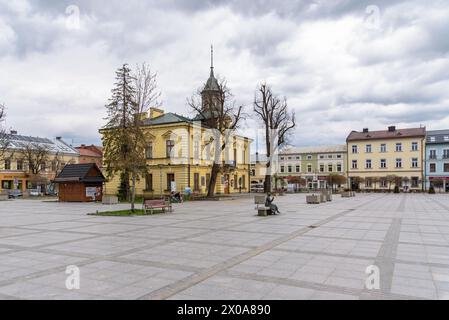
{"x": 376, "y": 157}
{"x": 181, "y": 151}
{"x": 90, "y": 154}
{"x": 16, "y": 171}
{"x": 314, "y": 164}
{"x": 437, "y": 160}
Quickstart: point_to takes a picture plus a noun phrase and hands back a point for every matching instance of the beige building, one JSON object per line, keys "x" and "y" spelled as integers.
{"x": 375, "y": 157}
{"x": 314, "y": 164}
{"x": 15, "y": 169}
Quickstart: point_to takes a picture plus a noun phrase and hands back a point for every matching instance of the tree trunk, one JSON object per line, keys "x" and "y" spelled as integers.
{"x": 133, "y": 192}
{"x": 267, "y": 183}
{"x": 213, "y": 180}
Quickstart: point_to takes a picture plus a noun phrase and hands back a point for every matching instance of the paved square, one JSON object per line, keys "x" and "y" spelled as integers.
{"x": 222, "y": 250}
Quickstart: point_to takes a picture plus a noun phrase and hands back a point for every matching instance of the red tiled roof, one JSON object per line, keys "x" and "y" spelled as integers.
{"x": 386, "y": 134}
{"x": 89, "y": 151}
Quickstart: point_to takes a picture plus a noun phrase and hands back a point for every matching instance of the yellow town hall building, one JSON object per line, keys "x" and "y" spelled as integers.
{"x": 180, "y": 154}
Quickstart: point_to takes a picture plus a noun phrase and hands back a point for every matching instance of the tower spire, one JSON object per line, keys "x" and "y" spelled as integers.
{"x": 211, "y": 60}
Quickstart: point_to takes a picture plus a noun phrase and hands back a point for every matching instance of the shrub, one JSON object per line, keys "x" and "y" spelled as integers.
{"x": 432, "y": 190}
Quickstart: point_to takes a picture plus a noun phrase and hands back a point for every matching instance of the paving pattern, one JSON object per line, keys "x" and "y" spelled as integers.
{"x": 222, "y": 250}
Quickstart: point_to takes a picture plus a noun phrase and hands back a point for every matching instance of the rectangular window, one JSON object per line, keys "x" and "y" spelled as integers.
{"x": 321, "y": 167}
{"x": 289, "y": 168}
{"x": 309, "y": 168}
{"x": 383, "y": 163}
{"x": 7, "y": 164}
{"x": 298, "y": 168}
{"x": 414, "y": 146}
{"x": 338, "y": 156}
{"x": 354, "y": 149}
{"x": 398, "y": 147}
{"x": 309, "y": 157}
{"x": 368, "y": 183}
{"x": 414, "y": 162}
{"x": 446, "y": 167}
{"x": 149, "y": 182}
{"x": 368, "y": 148}
{"x": 432, "y": 167}
{"x": 432, "y": 154}
{"x": 383, "y": 183}
{"x": 170, "y": 178}
{"x": 354, "y": 164}
{"x": 338, "y": 167}
{"x": 20, "y": 165}
{"x": 149, "y": 151}
{"x": 207, "y": 179}
{"x": 415, "y": 182}
{"x": 170, "y": 145}
{"x": 368, "y": 164}
{"x": 282, "y": 169}
{"x": 383, "y": 147}
{"x": 203, "y": 179}
{"x": 398, "y": 163}
{"x": 329, "y": 168}
{"x": 446, "y": 154}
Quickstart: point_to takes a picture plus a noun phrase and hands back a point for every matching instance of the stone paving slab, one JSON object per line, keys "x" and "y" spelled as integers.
{"x": 223, "y": 250}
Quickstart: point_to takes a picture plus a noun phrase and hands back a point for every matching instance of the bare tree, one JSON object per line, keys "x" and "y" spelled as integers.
{"x": 147, "y": 93}
{"x": 217, "y": 111}
{"x": 277, "y": 121}
{"x": 4, "y": 137}
{"x": 36, "y": 155}
{"x": 124, "y": 140}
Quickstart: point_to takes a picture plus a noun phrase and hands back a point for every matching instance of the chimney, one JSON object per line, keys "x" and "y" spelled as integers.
{"x": 58, "y": 138}
{"x": 13, "y": 132}
{"x": 365, "y": 130}
{"x": 391, "y": 129}
{"x": 155, "y": 112}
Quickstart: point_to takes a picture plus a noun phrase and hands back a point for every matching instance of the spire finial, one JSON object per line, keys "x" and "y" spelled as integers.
{"x": 212, "y": 60}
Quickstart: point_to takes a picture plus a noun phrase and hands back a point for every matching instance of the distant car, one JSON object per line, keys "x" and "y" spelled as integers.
{"x": 14, "y": 194}
{"x": 35, "y": 192}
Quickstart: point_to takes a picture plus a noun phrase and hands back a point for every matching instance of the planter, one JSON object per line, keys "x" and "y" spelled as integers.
{"x": 109, "y": 199}
{"x": 314, "y": 198}
{"x": 323, "y": 197}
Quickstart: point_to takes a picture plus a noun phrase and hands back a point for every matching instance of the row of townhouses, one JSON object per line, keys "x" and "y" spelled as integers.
{"x": 412, "y": 159}
{"x": 31, "y": 163}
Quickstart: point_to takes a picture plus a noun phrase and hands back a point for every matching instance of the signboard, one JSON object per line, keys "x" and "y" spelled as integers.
{"x": 173, "y": 186}
{"x": 91, "y": 192}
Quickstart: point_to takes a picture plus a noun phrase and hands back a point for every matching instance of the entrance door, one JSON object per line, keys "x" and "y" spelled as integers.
{"x": 196, "y": 182}
{"x": 446, "y": 185}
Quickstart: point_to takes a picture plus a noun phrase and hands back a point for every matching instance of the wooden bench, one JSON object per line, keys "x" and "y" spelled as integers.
{"x": 151, "y": 205}
{"x": 259, "y": 201}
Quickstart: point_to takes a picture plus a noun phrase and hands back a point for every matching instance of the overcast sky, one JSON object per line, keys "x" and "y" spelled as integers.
{"x": 342, "y": 66}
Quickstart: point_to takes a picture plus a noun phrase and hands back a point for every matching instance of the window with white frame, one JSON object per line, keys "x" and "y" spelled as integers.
{"x": 398, "y": 163}
{"x": 383, "y": 147}
{"x": 368, "y": 164}
{"x": 414, "y": 162}
{"x": 398, "y": 147}
{"x": 354, "y": 164}
{"x": 354, "y": 148}
{"x": 414, "y": 146}
{"x": 383, "y": 163}
{"x": 368, "y": 148}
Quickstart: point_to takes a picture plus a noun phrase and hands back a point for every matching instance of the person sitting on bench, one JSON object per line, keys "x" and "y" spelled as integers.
{"x": 269, "y": 203}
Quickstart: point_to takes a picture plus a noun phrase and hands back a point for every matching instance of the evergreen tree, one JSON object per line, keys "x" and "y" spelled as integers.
{"x": 123, "y": 138}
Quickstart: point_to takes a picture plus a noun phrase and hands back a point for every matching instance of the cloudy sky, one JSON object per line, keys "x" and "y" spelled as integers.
{"x": 343, "y": 65}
